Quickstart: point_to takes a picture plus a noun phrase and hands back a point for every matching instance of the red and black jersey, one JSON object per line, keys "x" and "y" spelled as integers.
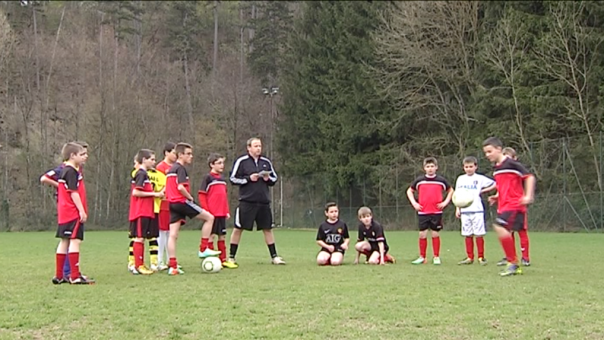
{"x": 509, "y": 177}
{"x": 333, "y": 233}
{"x": 164, "y": 167}
{"x": 70, "y": 181}
{"x": 430, "y": 192}
{"x": 213, "y": 195}
{"x": 141, "y": 206}
{"x": 373, "y": 234}
{"x": 175, "y": 176}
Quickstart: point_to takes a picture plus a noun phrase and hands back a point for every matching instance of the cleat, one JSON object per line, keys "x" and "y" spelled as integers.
{"x": 482, "y": 261}
{"x": 277, "y": 260}
{"x": 436, "y": 261}
{"x": 503, "y": 262}
{"x": 389, "y": 259}
{"x": 467, "y": 260}
{"x": 526, "y": 262}
{"x": 58, "y": 281}
{"x": 82, "y": 280}
{"x": 144, "y": 270}
{"x": 208, "y": 253}
{"x": 419, "y": 260}
{"x": 511, "y": 269}
{"x": 230, "y": 264}
{"x": 175, "y": 271}
{"x": 161, "y": 267}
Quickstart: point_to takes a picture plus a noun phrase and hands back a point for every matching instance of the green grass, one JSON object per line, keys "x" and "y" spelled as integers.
{"x": 560, "y": 297}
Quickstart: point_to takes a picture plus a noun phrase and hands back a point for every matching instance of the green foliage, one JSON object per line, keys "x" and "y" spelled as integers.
{"x": 271, "y": 28}
{"x": 330, "y": 102}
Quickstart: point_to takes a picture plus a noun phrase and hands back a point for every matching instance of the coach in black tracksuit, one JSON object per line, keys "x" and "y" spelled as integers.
{"x": 254, "y": 174}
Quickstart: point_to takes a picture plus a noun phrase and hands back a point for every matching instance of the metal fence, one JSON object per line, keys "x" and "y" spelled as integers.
{"x": 569, "y": 194}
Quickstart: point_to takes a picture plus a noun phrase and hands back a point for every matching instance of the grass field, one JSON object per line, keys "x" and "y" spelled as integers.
{"x": 560, "y": 297}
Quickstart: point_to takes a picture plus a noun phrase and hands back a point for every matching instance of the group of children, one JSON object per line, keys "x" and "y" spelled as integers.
{"x": 515, "y": 190}
{"x": 161, "y": 201}
{"x": 165, "y": 192}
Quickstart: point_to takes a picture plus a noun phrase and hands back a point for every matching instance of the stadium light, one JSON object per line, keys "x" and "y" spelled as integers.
{"x": 271, "y": 91}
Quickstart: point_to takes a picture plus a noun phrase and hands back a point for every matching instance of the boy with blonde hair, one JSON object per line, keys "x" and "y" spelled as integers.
{"x": 371, "y": 240}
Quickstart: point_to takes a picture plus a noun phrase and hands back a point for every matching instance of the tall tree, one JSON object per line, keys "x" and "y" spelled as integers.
{"x": 330, "y": 100}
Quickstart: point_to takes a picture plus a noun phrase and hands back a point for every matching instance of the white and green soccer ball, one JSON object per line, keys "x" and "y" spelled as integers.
{"x": 211, "y": 265}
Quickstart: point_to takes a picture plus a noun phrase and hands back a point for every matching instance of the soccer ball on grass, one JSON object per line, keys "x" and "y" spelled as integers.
{"x": 211, "y": 265}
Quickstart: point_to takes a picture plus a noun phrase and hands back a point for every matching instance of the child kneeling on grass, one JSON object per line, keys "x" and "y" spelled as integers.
{"x": 332, "y": 237}
{"x": 371, "y": 240}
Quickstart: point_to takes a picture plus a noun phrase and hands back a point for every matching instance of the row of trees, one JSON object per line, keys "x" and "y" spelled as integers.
{"x": 123, "y": 75}
{"x": 366, "y": 90}
{"x": 373, "y": 87}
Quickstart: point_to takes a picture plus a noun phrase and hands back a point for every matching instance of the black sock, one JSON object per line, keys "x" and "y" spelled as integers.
{"x": 272, "y": 250}
{"x": 233, "y": 250}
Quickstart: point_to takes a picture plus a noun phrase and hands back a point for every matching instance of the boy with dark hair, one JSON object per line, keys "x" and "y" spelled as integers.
{"x": 472, "y": 217}
{"x": 515, "y": 187}
{"x": 429, "y": 188}
{"x": 213, "y": 198}
{"x": 182, "y": 205}
{"x": 163, "y": 217}
{"x": 523, "y": 233}
{"x": 72, "y": 214}
{"x": 51, "y": 178}
{"x": 142, "y": 215}
{"x": 332, "y": 237}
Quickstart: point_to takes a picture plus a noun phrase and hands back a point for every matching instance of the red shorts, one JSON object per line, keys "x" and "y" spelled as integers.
{"x": 164, "y": 220}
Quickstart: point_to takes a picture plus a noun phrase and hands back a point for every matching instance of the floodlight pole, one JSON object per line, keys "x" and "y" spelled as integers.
{"x": 271, "y": 91}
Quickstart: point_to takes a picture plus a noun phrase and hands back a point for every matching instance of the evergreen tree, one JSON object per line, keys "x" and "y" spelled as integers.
{"x": 330, "y": 100}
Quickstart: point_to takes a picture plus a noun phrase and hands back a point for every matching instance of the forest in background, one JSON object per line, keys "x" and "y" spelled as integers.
{"x": 348, "y": 97}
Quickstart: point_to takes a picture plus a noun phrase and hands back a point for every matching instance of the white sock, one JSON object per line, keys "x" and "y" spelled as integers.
{"x": 162, "y": 241}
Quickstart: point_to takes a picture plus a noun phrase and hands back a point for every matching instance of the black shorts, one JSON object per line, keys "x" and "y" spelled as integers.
{"x": 337, "y": 250}
{"x": 71, "y": 230}
{"x": 248, "y": 213}
{"x": 219, "y": 227}
{"x": 430, "y": 221}
{"x": 512, "y": 220}
{"x": 180, "y": 211}
{"x": 144, "y": 227}
{"x": 375, "y": 247}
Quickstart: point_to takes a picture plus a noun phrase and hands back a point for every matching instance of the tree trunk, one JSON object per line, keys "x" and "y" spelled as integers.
{"x": 189, "y": 103}
{"x": 215, "y": 36}
{"x": 251, "y": 30}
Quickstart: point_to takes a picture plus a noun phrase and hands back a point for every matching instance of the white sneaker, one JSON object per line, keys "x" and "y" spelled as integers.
{"x": 154, "y": 268}
{"x": 161, "y": 267}
{"x": 278, "y": 260}
{"x": 436, "y": 261}
{"x": 132, "y": 270}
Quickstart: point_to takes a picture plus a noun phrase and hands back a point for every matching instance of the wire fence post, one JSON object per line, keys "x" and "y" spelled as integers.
{"x": 600, "y": 186}
{"x": 564, "y": 184}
